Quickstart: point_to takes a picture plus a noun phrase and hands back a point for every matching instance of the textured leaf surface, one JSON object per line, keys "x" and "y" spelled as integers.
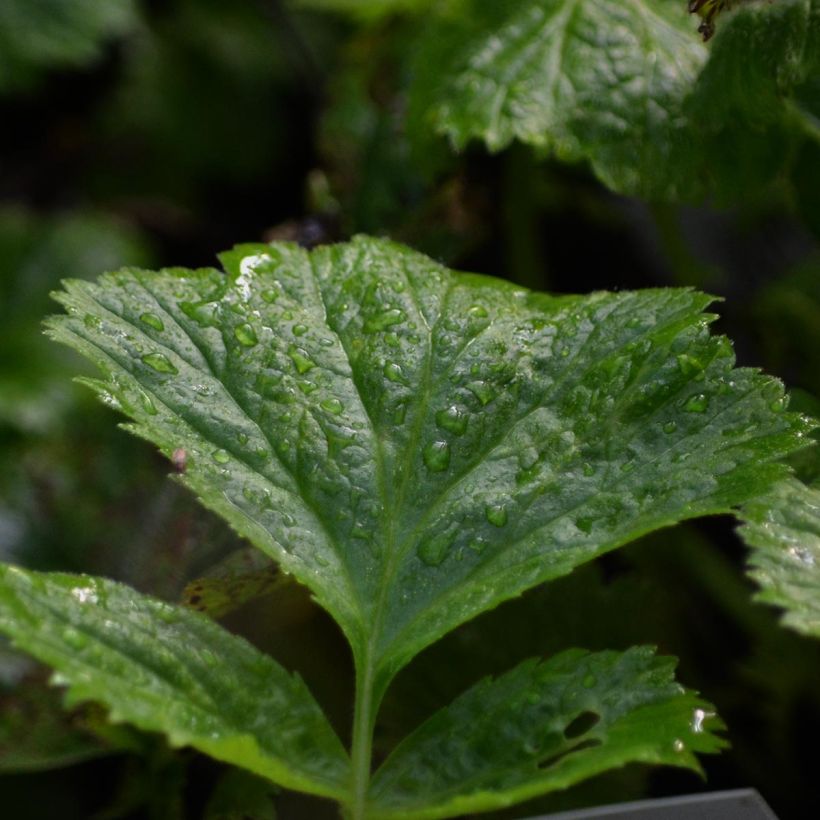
{"x": 544, "y": 726}
{"x": 167, "y": 669}
{"x": 784, "y": 529}
{"x": 36, "y": 34}
{"x": 597, "y": 80}
{"x": 416, "y": 445}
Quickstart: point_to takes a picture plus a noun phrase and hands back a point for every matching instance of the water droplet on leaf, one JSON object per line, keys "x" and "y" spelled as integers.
{"x": 245, "y": 335}
{"x": 152, "y": 320}
{"x": 160, "y": 362}
{"x": 437, "y": 456}
{"x": 696, "y": 404}
{"x": 453, "y": 419}
{"x": 496, "y": 514}
{"x": 333, "y": 406}
{"x": 301, "y": 361}
{"x": 220, "y": 456}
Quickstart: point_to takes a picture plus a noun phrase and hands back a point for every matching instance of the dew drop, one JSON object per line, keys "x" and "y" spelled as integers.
{"x": 91, "y": 321}
{"x": 670, "y": 427}
{"x": 269, "y": 296}
{"x": 689, "y": 365}
{"x": 147, "y": 404}
{"x": 152, "y": 320}
{"x": 333, "y": 406}
{"x": 699, "y": 716}
{"x": 159, "y": 362}
{"x": 394, "y": 373}
{"x": 299, "y": 330}
{"x": 307, "y": 387}
{"x": 482, "y": 391}
{"x": 437, "y": 456}
{"x": 452, "y": 419}
{"x": 496, "y": 514}
{"x": 588, "y": 470}
{"x": 696, "y": 404}
{"x": 301, "y": 361}
{"x": 203, "y": 313}
{"x": 394, "y": 316}
{"x": 678, "y": 745}
{"x": 434, "y": 551}
{"x": 779, "y": 405}
{"x": 478, "y": 311}
{"x": 245, "y": 335}
{"x": 220, "y": 456}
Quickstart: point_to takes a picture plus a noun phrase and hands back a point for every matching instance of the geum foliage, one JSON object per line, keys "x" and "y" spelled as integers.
{"x": 628, "y": 87}
{"x": 416, "y": 446}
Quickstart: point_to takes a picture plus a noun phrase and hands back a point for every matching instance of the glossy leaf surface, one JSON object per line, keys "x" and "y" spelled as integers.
{"x": 541, "y": 727}
{"x": 597, "y": 80}
{"x": 166, "y": 669}
{"x": 416, "y": 445}
{"x": 783, "y": 527}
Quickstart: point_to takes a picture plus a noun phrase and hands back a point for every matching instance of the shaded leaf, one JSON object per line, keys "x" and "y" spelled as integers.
{"x": 240, "y": 796}
{"x": 415, "y": 445}
{"x": 167, "y": 669}
{"x": 602, "y": 81}
{"x": 783, "y": 527}
{"x": 541, "y": 727}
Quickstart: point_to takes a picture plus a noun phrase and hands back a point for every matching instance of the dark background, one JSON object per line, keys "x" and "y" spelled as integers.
{"x": 180, "y": 128}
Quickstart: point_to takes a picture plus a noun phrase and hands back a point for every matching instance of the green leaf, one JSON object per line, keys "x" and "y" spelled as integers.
{"x": 415, "y": 445}
{"x": 366, "y": 10}
{"x": 167, "y": 669}
{"x": 596, "y": 80}
{"x": 38, "y": 34}
{"x": 542, "y": 727}
{"x": 783, "y": 527}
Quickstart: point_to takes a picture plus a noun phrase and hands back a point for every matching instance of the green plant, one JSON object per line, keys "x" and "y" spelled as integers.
{"x": 415, "y": 446}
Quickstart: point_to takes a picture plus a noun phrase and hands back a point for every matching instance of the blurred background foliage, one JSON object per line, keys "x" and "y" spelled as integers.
{"x": 143, "y": 132}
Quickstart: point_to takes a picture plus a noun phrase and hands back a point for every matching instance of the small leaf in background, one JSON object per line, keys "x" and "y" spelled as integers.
{"x": 241, "y": 577}
{"x": 166, "y": 669}
{"x": 542, "y": 727}
{"x": 783, "y": 528}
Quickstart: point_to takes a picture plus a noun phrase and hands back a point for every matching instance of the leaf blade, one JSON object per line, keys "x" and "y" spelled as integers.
{"x": 541, "y": 727}
{"x": 418, "y": 445}
{"x": 166, "y": 669}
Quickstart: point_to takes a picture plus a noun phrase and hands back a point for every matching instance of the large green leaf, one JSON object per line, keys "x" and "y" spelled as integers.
{"x": 541, "y": 727}
{"x": 783, "y": 526}
{"x": 597, "y": 80}
{"x": 167, "y": 669}
{"x": 38, "y": 34}
{"x": 417, "y": 445}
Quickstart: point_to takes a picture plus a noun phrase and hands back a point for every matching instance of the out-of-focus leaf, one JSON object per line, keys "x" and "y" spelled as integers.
{"x": 36, "y": 732}
{"x": 166, "y": 669}
{"x": 541, "y": 727}
{"x": 368, "y": 10}
{"x": 36, "y": 35}
{"x": 596, "y": 80}
{"x": 416, "y": 445}
{"x": 240, "y": 578}
{"x": 783, "y": 527}
{"x": 35, "y": 253}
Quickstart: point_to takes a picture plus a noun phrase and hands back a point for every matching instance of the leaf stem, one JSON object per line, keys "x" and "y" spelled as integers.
{"x": 364, "y": 719}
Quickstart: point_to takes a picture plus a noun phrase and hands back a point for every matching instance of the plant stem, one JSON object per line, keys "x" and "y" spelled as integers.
{"x": 364, "y": 718}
